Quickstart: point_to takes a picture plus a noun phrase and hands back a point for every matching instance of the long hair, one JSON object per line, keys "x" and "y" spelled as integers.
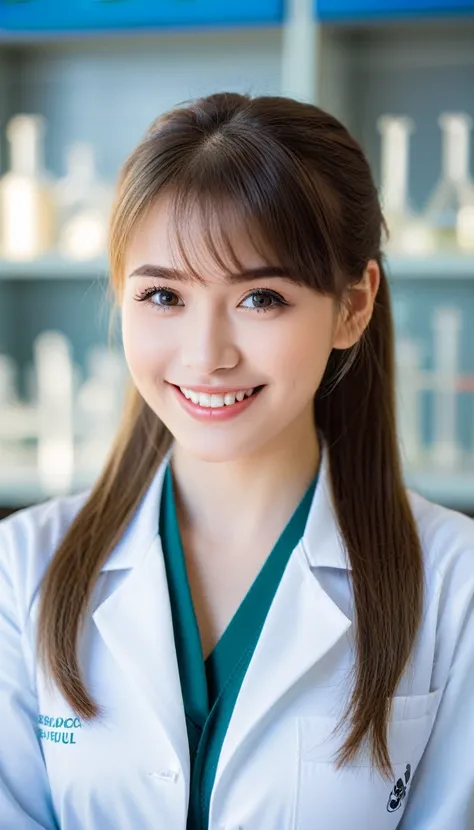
{"x": 301, "y": 187}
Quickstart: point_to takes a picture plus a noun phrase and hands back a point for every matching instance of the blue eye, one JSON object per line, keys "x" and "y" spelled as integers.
{"x": 260, "y": 299}
{"x": 263, "y": 300}
{"x": 165, "y": 298}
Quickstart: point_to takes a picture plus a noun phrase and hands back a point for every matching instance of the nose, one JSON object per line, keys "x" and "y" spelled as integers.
{"x": 209, "y": 344}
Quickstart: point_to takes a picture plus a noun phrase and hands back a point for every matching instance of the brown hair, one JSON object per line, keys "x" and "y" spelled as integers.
{"x": 303, "y": 188}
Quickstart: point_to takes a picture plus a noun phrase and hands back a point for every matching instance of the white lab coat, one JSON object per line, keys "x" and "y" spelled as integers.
{"x": 131, "y": 768}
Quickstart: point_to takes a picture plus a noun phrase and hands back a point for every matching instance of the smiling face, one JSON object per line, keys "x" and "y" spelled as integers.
{"x": 197, "y": 349}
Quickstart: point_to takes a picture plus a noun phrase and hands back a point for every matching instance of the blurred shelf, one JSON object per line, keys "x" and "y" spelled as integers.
{"x": 58, "y": 16}
{"x": 454, "y": 490}
{"x": 54, "y": 267}
{"x": 442, "y": 267}
{"x": 438, "y": 266}
{"x": 334, "y": 11}
{"x": 21, "y": 487}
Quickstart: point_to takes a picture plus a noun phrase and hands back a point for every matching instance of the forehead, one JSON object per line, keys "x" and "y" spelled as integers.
{"x": 202, "y": 243}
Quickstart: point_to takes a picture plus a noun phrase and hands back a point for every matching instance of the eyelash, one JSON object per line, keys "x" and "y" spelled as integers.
{"x": 148, "y": 293}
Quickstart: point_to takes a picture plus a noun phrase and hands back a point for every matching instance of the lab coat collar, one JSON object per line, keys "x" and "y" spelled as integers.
{"x": 142, "y": 528}
{"x": 322, "y": 540}
{"x": 135, "y": 620}
{"x": 303, "y": 625}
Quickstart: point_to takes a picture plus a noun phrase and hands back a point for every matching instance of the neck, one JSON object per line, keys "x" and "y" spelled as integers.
{"x": 246, "y": 493}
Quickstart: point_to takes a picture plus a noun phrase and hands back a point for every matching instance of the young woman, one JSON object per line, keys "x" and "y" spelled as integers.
{"x": 248, "y": 622}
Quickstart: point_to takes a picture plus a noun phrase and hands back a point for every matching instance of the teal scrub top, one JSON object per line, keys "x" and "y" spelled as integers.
{"x": 210, "y": 687}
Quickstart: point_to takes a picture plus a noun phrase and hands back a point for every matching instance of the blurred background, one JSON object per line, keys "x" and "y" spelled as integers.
{"x": 80, "y": 82}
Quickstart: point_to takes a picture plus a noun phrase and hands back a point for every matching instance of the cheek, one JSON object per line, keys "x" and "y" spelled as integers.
{"x": 300, "y": 357}
{"x": 144, "y": 343}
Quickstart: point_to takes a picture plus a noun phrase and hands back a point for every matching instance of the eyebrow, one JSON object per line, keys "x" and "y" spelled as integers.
{"x": 161, "y": 272}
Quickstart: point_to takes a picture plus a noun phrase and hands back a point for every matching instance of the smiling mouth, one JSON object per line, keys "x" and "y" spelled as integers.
{"x": 207, "y": 400}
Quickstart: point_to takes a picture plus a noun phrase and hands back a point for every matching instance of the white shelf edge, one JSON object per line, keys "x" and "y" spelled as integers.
{"x": 450, "y": 489}
{"x": 54, "y": 267}
{"x": 22, "y": 487}
{"x": 438, "y": 266}
{"x": 455, "y": 490}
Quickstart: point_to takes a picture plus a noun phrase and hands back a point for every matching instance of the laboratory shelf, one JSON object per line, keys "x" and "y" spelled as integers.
{"x": 442, "y": 267}
{"x": 437, "y": 266}
{"x": 56, "y": 16}
{"x": 21, "y": 487}
{"x": 53, "y": 267}
{"x": 335, "y": 11}
{"x": 455, "y": 490}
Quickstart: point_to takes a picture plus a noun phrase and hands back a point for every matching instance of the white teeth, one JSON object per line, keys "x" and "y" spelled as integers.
{"x": 215, "y": 401}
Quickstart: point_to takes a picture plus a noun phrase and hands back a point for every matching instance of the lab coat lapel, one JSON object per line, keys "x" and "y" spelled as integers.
{"x": 135, "y": 621}
{"x": 302, "y": 625}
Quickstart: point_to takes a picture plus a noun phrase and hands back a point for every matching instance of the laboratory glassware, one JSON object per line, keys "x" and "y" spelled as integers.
{"x": 84, "y": 204}
{"x": 450, "y": 209}
{"x": 55, "y": 381}
{"x": 26, "y": 200}
{"x": 408, "y": 232}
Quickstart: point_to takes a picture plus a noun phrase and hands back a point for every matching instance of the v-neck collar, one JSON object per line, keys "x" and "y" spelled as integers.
{"x": 186, "y": 631}
{"x": 211, "y": 689}
{"x": 247, "y": 622}
{"x": 202, "y": 681}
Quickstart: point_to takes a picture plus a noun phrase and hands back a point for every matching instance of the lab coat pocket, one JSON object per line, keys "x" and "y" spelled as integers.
{"x": 357, "y": 795}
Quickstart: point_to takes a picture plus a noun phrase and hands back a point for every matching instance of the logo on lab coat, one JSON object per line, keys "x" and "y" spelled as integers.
{"x": 64, "y": 729}
{"x": 399, "y": 791}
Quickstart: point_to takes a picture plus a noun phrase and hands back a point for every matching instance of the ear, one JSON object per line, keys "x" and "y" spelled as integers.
{"x": 357, "y": 308}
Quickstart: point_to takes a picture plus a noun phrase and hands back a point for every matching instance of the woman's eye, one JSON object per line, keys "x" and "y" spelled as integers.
{"x": 160, "y": 298}
{"x": 166, "y": 298}
{"x": 262, "y": 301}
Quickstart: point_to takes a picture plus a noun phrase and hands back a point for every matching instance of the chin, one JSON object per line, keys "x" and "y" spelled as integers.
{"x": 217, "y": 452}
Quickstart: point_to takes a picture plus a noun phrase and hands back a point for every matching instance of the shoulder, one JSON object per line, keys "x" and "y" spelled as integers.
{"x": 28, "y": 540}
{"x": 447, "y": 539}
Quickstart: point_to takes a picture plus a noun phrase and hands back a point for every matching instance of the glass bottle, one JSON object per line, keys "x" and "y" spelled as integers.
{"x": 409, "y": 356}
{"x": 450, "y": 209}
{"x": 99, "y": 403}
{"x": 447, "y": 325}
{"x": 408, "y": 233}
{"x": 18, "y": 420}
{"x": 83, "y": 204}
{"x": 55, "y": 395}
{"x": 26, "y": 202}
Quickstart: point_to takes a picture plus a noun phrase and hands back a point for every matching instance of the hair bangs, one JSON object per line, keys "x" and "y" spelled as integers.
{"x": 203, "y": 229}
{"x": 207, "y": 226}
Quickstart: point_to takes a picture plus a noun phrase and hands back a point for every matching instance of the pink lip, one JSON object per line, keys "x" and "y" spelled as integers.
{"x": 216, "y": 390}
{"x": 208, "y": 413}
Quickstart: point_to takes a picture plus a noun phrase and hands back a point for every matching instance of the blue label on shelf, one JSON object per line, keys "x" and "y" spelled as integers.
{"x": 59, "y": 15}
{"x": 340, "y": 9}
